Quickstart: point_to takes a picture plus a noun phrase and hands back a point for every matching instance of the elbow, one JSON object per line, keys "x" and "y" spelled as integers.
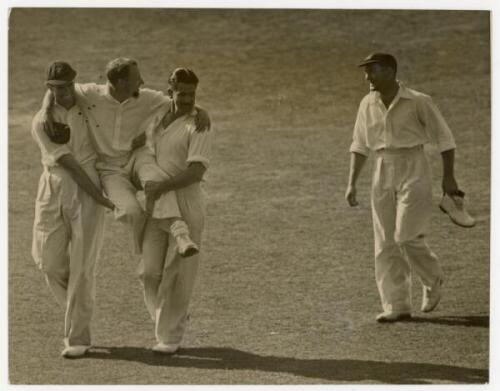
{"x": 198, "y": 170}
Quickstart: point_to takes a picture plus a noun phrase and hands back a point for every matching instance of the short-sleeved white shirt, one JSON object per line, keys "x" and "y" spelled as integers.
{"x": 79, "y": 144}
{"x": 179, "y": 145}
{"x": 113, "y": 124}
{"x": 412, "y": 119}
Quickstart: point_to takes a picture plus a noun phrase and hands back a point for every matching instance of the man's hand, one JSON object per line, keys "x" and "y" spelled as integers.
{"x": 139, "y": 141}
{"x": 202, "y": 120}
{"x": 108, "y": 204}
{"x": 450, "y": 186}
{"x": 153, "y": 190}
{"x": 350, "y": 195}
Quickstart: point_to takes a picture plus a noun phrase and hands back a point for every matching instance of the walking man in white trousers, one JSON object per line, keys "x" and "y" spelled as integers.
{"x": 394, "y": 122}
{"x": 183, "y": 154}
{"x": 69, "y": 213}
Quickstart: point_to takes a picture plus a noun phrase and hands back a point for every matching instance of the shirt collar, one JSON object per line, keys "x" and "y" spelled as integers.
{"x": 403, "y": 92}
{"x": 107, "y": 94}
{"x": 57, "y": 106}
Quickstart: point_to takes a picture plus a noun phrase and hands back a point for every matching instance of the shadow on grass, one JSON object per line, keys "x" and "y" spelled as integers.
{"x": 467, "y": 321}
{"x": 330, "y": 370}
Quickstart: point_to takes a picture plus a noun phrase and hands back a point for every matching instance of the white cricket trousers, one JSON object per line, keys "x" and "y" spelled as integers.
{"x": 67, "y": 239}
{"x": 401, "y": 210}
{"x": 122, "y": 193}
{"x": 146, "y": 169}
{"x": 167, "y": 278}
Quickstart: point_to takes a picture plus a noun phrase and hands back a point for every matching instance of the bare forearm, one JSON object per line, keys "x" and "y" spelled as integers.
{"x": 82, "y": 179}
{"x": 48, "y": 101}
{"x": 448, "y": 163}
{"x": 450, "y": 185}
{"x": 193, "y": 174}
{"x": 357, "y": 162}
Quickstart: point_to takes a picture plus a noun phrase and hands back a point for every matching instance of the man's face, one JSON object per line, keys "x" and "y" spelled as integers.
{"x": 134, "y": 81}
{"x": 378, "y": 76}
{"x": 184, "y": 96}
{"x": 64, "y": 94}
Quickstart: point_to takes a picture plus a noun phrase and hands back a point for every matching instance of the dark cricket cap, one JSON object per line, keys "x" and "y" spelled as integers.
{"x": 60, "y": 72}
{"x": 384, "y": 59}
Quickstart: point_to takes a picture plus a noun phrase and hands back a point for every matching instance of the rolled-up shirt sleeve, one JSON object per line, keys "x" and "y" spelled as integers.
{"x": 435, "y": 125}
{"x": 359, "y": 144}
{"x": 200, "y": 146}
{"x": 51, "y": 151}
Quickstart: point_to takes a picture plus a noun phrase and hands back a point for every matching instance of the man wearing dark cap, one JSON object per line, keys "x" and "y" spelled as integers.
{"x": 69, "y": 213}
{"x": 394, "y": 122}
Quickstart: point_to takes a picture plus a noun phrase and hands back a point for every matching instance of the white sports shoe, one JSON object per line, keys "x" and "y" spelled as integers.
{"x": 185, "y": 246}
{"x": 391, "y": 317}
{"x": 431, "y": 296}
{"x": 454, "y": 207}
{"x": 164, "y": 348}
{"x": 75, "y": 351}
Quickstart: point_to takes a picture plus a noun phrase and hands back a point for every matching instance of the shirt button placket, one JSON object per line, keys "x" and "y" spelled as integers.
{"x": 387, "y": 131}
{"x": 118, "y": 124}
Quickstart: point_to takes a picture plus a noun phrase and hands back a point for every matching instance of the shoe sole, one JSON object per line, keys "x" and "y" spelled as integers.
{"x": 72, "y": 356}
{"x": 190, "y": 252}
{"x": 400, "y": 318}
{"x": 432, "y": 308}
{"x": 161, "y": 353}
{"x": 455, "y": 221}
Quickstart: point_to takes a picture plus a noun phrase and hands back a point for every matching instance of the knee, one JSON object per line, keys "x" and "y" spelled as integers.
{"x": 409, "y": 241}
{"x": 131, "y": 210}
{"x": 54, "y": 272}
{"x": 387, "y": 249}
{"x": 149, "y": 274}
{"x": 150, "y": 278}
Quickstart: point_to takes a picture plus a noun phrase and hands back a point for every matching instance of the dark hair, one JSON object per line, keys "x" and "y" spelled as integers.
{"x": 119, "y": 69}
{"x": 182, "y": 75}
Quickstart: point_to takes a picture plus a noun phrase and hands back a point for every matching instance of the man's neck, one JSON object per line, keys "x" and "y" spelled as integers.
{"x": 171, "y": 116}
{"x": 67, "y": 104}
{"x": 119, "y": 96}
{"x": 389, "y": 93}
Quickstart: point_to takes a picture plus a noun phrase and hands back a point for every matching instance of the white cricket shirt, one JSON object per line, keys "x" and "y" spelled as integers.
{"x": 79, "y": 144}
{"x": 412, "y": 119}
{"x": 113, "y": 124}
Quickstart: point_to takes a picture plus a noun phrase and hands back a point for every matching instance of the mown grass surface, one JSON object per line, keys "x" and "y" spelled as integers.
{"x": 286, "y": 293}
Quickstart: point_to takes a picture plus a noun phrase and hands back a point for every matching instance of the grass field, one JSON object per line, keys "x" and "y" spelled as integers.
{"x": 286, "y": 292}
